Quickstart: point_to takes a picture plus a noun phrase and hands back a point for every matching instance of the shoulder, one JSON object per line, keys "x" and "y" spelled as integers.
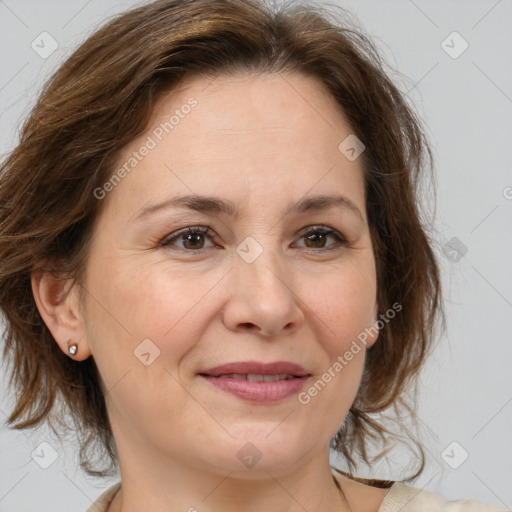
{"x": 407, "y": 498}
{"x": 366, "y": 495}
{"x": 101, "y": 504}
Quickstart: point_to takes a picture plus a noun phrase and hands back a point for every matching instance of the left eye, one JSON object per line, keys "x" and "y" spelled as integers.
{"x": 318, "y": 234}
{"x": 193, "y": 237}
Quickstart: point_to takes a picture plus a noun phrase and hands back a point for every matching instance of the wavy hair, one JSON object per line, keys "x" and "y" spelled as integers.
{"x": 102, "y": 97}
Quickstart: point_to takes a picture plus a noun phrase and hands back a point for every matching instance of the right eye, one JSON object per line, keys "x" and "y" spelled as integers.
{"x": 190, "y": 237}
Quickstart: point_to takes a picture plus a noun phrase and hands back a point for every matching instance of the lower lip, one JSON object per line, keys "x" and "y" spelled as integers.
{"x": 262, "y": 392}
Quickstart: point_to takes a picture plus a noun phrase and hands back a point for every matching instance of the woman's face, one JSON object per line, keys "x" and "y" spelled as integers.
{"x": 162, "y": 309}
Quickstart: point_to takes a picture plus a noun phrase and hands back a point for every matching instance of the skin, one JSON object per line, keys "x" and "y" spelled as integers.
{"x": 263, "y": 142}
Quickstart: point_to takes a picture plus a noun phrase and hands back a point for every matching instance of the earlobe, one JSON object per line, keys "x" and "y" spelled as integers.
{"x": 57, "y": 302}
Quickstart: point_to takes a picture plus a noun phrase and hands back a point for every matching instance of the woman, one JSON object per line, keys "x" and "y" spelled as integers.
{"x": 212, "y": 254}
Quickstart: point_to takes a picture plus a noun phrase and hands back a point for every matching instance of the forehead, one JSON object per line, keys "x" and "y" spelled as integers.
{"x": 273, "y": 137}
{"x": 266, "y": 96}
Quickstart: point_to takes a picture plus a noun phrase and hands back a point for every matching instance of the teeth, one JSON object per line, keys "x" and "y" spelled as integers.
{"x": 251, "y": 377}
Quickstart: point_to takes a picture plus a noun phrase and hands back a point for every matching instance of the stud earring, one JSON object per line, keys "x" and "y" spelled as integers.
{"x": 72, "y": 348}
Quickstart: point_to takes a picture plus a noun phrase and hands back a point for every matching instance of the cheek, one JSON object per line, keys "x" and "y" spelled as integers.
{"x": 343, "y": 311}
{"x": 132, "y": 303}
{"x": 345, "y": 304}
{"x": 127, "y": 307}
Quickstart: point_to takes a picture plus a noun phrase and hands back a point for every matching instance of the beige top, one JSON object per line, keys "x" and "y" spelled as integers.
{"x": 400, "y": 498}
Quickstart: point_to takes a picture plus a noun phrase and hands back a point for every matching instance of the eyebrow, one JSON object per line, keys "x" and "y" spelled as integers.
{"x": 216, "y": 205}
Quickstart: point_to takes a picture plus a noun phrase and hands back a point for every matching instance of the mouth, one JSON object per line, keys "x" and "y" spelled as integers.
{"x": 258, "y": 382}
{"x": 252, "y": 370}
{"x": 253, "y": 377}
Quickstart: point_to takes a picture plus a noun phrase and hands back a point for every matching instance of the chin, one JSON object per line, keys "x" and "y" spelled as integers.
{"x": 258, "y": 455}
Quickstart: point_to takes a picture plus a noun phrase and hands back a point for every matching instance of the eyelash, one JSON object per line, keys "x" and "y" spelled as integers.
{"x": 206, "y": 231}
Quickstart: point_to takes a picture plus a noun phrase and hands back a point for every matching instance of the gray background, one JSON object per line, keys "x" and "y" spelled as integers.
{"x": 465, "y": 403}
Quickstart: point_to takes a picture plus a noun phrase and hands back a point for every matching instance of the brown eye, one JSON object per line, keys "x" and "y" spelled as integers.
{"x": 192, "y": 238}
{"x": 316, "y": 238}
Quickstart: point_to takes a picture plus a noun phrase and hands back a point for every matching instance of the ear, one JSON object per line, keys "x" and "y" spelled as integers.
{"x": 372, "y": 328}
{"x": 58, "y": 304}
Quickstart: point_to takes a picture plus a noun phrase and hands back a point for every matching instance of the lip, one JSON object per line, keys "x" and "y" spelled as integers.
{"x": 258, "y": 392}
{"x": 257, "y": 368}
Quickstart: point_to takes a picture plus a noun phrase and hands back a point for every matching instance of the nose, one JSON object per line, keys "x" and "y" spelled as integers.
{"x": 261, "y": 297}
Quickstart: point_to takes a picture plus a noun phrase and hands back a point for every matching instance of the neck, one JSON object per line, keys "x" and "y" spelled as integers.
{"x": 151, "y": 483}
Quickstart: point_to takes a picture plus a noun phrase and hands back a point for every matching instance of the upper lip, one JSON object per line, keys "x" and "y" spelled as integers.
{"x": 257, "y": 368}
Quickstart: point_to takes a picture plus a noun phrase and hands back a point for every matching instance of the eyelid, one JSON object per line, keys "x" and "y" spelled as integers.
{"x": 319, "y": 228}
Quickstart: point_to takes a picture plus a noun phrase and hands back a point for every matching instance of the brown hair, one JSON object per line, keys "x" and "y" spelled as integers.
{"x": 102, "y": 97}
